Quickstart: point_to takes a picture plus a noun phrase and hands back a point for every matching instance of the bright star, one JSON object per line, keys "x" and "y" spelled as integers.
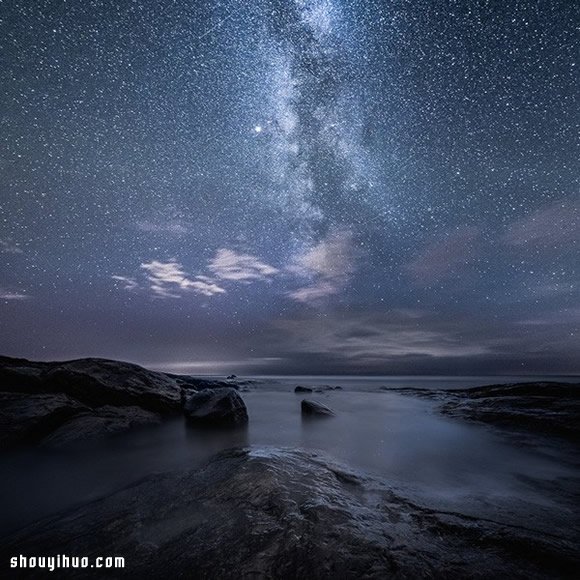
{"x": 258, "y": 128}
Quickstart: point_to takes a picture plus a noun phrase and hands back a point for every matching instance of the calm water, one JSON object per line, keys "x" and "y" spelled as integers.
{"x": 403, "y": 440}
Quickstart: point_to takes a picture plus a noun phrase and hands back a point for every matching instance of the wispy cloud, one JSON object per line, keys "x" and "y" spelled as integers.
{"x": 230, "y": 265}
{"x": 555, "y": 318}
{"x": 378, "y": 338}
{"x": 9, "y": 247}
{"x": 169, "y": 280}
{"x": 554, "y": 225}
{"x": 6, "y": 295}
{"x": 328, "y": 265}
{"x": 442, "y": 258}
{"x": 126, "y": 282}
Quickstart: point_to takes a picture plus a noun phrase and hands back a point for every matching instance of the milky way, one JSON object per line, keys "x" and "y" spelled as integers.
{"x": 291, "y": 186}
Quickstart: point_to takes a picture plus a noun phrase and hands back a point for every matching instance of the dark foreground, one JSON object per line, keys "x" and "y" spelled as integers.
{"x": 271, "y": 511}
{"x": 274, "y": 513}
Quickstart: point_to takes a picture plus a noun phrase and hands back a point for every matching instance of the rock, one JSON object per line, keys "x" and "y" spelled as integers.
{"x": 93, "y": 382}
{"x": 26, "y": 418}
{"x": 231, "y": 377}
{"x": 301, "y": 389}
{"x": 57, "y": 403}
{"x": 537, "y": 408}
{"x": 216, "y": 408}
{"x": 314, "y": 408}
{"x": 56, "y": 420}
{"x": 100, "y": 382}
{"x": 99, "y": 423}
{"x": 544, "y": 408}
{"x": 325, "y": 388}
{"x": 197, "y": 384}
{"x": 272, "y": 513}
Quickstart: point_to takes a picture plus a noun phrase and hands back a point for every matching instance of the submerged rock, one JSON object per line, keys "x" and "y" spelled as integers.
{"x": 216, "y": 408}
{"x": 301, "y": 389}
{"x": 274, "y": 513}
{"x": 316, "y": 409}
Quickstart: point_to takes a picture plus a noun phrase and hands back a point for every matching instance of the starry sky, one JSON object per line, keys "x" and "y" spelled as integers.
{"x": 291, "y": 186}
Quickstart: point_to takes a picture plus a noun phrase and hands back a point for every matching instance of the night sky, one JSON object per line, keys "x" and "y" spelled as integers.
{"x": 291, "y": 186}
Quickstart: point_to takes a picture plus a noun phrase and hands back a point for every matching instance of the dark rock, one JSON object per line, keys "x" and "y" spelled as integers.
{"x": 26, "y": 418}
{"x": 545, "y": 408}
{"x": 301, "y": 389}
{"x": 99, "y": 423}
{"x": 92, "y": 381}
{"x": 55, "y": 420}
{"x": 325, "y": 388}
{"x": 57, "y": 403}
{"x": 278, "y": 514}
{"x": 230, "y": 377}
{"x": 314, "y": 408}
{"x": 197, "y": 384}
{"x": 106, "y": 382}
{"x": 216, "y": 408}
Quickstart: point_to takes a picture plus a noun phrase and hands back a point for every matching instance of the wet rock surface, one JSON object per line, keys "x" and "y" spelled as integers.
{"x": 27, "y": 418}
{"x": 98, "y": 423}
{"x": 544, "y": 408}
{"x": 276, "y": 513}
{"x": 301, "y": 389}
{"x": 315, "y": 409}
{"x": 60, "y": 403}
{"x": 221, "y": 407}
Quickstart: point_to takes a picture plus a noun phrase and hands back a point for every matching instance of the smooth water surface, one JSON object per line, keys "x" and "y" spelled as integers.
{"x": 401, "y": 439}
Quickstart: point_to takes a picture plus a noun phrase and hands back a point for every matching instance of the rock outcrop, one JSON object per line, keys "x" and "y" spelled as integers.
{"x": 60, "y": 403}
{"x": 221, "y": 407}
{"x": 301, "y": 389}
{"x": 544, "y": 408}
{"x": 29, "y": 418}
{"x": 274, "y": 513}
{"x": 315, "y": 409}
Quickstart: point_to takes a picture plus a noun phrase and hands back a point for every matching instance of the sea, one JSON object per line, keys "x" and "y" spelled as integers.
{"x": 378, "y": 431}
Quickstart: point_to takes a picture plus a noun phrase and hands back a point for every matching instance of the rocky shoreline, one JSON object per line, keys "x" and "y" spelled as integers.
{"x": 62, "y": 403}
{"x": 270, "y": 512}
{"x": 279, "y": 513}
{"x": 536, "y": 408}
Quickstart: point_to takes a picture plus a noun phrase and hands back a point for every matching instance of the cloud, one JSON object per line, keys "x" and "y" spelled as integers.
{"x": 552, "y": 226}
{"x": 557, "y": 318}
{"x": 444, "y": 257}
{"x": 329, "y": 265}
{"x": 126, "y": 282}
{"x": 229, "y": 265}
{"x": 8, "y": 247}
{"x": 6, "y": 295}
{"x": 378, "y": 338}
{"x": 168, "y": 280}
